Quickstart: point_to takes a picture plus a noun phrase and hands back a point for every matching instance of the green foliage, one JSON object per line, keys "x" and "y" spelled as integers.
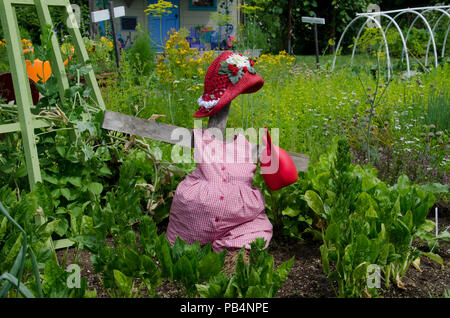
{"x": 13, "y": 258}
{"x": 188, "y": 264}
{"x": 252, "y": 37}
{"x": 258, "y": 279}
{"x": 371, "y": 39}
{"x": 367, "y": 223}
{"x": 55, "y": 283}
{"x": 142, "y": 54}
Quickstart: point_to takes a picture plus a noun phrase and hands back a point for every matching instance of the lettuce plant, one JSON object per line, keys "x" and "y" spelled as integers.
{"x": 367, "y": 223}
{"x": 258, "y": 279}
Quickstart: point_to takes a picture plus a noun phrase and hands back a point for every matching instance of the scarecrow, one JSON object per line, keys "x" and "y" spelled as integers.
{"x": 217, "y": 203}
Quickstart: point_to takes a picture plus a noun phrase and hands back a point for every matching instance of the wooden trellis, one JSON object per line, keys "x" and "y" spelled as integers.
{"x": 24, "y": 103}
{"x": 27, "y": 123}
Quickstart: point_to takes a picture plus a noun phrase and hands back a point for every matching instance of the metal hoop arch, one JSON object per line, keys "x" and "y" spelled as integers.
{"x": 399, "y": 31}
{"x": 434, "y": 27}
{"x": 382, "y": 33}
{"x": 419, "y": 15}
{"x": 419, "y": 12}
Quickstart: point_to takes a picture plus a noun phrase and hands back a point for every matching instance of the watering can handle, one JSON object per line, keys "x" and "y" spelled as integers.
{"x": 267, "y": 141}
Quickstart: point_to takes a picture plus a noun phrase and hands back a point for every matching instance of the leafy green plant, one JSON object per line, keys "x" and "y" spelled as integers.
{"x": 55, "y": 283}
{"x": 17, "y": 253}
{"x": 368, "y": 223}
{"x": 141, "y": 54}
{"x": 188, "y": 264}
{"x": 258, "y": 279}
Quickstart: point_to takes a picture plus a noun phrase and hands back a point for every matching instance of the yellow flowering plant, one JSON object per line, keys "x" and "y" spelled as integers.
{"x": 180, "y": 70}
{"x": 275, "y": 68}
{"x": 158, "y": 10}
{"x": 100, "y": 53}
{"x": 180, "y": 61}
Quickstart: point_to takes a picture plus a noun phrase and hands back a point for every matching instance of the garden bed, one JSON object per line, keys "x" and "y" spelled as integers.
{"x": 306, "y": 279}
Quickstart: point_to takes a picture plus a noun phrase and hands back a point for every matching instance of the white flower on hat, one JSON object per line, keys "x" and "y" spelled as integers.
{"x": 239, "y": 60}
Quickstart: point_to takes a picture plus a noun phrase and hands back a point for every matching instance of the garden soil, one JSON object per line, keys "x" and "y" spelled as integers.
{"x": 306, "y": 279}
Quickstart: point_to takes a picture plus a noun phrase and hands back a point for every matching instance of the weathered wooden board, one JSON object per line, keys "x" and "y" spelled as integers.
{"x": 163, "y": 132}
{"x": 142, "y": 127}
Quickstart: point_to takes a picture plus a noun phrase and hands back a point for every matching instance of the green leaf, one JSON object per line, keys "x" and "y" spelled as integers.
{"x": 332, "y": 233}
{"x": 124, "y": 283}
{"x": 360, "y": 271}
{"x": 435, "y": 257}
{"x": 419, "y": 214}
{"x": 290, "y": 212}
{"x": 163, "y": 254}
{"x": 315, "y": 202}
{"x": 325, "y": 261}
{"x": 7, "y": 262}
{"x": 251, "y": 70}
{"x": 256, "y": 292}
{"x": 235, "y": 78}
{"x": 444, "y": 236}
{"x": 62, "y": 227}
{"x": 210, "y": 265}
{"x": 13, "y": 280}
{"x": 152, "y": 273}
{"x": 428, "y": 226}
{"x": 223, "y": 70}
{"x": 76, "y": 181}
{"x": 3, "y": 227}
{"x": 87, "y": 225}
{"x": 371, "y": 213}
{"x": 95, "y": 188}
{"x": 280, "y": 275}
{"x": 67, "y": 193}
{"x": 83, "y": 125}
{"x": 403, "y": 184}
{"x": 21, "y": 172}
{"x": 183, "y": 272}
{"x": 435, "y": 188}
{"x": 43, "y": 256}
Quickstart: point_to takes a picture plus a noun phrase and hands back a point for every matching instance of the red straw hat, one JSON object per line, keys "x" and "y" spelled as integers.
{"x": 229, "y": 75}
{"x": 277, "y": 167}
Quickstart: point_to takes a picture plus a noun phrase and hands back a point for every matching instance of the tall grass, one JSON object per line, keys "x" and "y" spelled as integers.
{"x": 437, "y": 109}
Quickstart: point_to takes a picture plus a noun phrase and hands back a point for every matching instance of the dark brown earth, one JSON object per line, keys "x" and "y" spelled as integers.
{"x": 306, "y": 279}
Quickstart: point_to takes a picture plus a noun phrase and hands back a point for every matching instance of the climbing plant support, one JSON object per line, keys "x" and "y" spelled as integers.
{"x": 24, "y": 103}
{"x": 392, "y": 16}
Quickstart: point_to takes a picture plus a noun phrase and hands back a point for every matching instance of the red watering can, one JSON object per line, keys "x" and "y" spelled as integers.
{"x": 277, "y": 167}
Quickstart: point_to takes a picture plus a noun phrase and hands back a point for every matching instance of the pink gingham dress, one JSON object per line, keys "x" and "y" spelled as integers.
{"x": 217, "y": 202}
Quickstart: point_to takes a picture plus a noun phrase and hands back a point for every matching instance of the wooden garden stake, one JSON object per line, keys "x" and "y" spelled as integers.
{"x": 315, "y": 21}
{"x": 110, "y": 14}
{"x": 113, "y": 25}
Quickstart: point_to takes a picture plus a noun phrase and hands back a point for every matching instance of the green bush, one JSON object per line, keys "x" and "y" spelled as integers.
{"x": 141, "y": 54}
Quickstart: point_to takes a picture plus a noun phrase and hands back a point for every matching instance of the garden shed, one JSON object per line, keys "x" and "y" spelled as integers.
{"x": 207, "y": 20}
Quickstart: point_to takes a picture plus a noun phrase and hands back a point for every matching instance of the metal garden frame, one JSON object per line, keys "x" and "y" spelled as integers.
{"x": 419, "y": 12}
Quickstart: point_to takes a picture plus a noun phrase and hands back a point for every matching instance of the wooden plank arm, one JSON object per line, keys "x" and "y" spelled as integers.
{"x": 146, "y": 128}
{"x": 164, "y": 132}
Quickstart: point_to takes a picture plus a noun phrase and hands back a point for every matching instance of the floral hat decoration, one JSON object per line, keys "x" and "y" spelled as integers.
{"x": 228, "y": 76}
